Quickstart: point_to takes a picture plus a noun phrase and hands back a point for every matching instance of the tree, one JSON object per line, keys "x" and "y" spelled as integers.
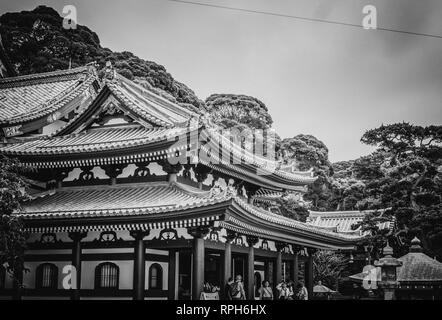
{"x": 234, "y": 110}
{"x": 36, "y": 41}
{"x": 12, "y": 235}
{"x": 290, "y": 206}
{"x": 327, "y": 267}
{"x": 408, "y": 180}
{"x": 307, "y": 152}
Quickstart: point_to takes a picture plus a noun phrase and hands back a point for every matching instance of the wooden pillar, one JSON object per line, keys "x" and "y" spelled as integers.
{"x": 139, "y": 277}
{"x": 198, "y": 268}
{"x": 198, "y": 234}
{"x": 250, "y": 293}
{"x": 18, "y": 282}
{"x": 227, "y": 257}
{"x": 295, "y": 269}
{"x": 172, "y": 274}
{"x": 278, "y": 265}
{"x": 227, "y": 266}
{"x": 278, "y": 268}
{"x": 309, "y": 273}
{"x": 76, "y": 262}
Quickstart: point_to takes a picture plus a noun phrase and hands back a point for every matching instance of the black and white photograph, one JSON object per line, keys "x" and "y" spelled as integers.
{"x": 242, "y": 152}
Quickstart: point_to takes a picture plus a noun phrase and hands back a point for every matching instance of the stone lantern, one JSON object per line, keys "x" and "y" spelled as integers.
{"x": 388, "y": 265}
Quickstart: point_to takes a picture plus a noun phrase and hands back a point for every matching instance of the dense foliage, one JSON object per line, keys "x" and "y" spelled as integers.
{"x": 37, "y": 42}
{"x": 12, "y": 236}
{"x": 328, "y": 267}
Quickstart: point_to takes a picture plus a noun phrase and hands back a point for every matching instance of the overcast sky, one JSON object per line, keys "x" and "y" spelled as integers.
{"x": 331, "y": 81}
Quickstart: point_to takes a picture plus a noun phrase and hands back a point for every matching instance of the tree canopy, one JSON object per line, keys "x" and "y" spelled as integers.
{"x": 36, "y": 42}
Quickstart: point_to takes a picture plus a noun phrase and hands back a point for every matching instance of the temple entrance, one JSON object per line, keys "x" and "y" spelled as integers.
{"x": 184, "y": 275}
{"x": 212, "y": 268}
{"x": 286, "y": 271}
{"x": 239, "y": 265}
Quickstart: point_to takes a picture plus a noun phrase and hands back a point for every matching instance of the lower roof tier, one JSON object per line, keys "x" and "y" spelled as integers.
{"x": 154, "y": 204}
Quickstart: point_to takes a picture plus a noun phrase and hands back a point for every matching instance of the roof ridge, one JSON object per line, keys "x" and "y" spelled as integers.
{"x": 179, "y": 109}
{"x": 44, "y": 75}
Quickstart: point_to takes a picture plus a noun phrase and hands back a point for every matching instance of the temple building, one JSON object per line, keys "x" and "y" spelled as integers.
{"x": 123, "y": 191}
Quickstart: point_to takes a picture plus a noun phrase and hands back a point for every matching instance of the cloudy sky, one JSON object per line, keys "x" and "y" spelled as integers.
{"x": 331, "y": 81}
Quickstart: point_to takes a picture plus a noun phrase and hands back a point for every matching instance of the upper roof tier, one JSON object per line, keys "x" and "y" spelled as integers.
{"x": 30, "y": 97}
{"x": 145, "y": 126}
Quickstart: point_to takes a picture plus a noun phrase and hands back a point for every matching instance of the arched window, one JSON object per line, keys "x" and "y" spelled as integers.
{"x": 155, "y": 276}
{"x": 47, "y": 276}
{"x": 2, "y": 277}
{"x": 107, "y": 276}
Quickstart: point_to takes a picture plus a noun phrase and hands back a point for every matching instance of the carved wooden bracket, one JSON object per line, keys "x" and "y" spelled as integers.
{"x": 170, "y": 168}
{"x": 77, "y": 236}
{"x": 112, "y": 170}
{"x": 86, "y": 174}
{"x": 252, "y": 240}
{"x": 139, "y": 234}
{"x": 280, "y": 245}
{"x": 231, "y": 235}
{"x": 198, "y": 232}
{"x": 201, "y": 172}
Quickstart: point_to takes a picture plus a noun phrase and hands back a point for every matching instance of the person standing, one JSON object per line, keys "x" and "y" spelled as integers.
{"x": 227, "y": 288}
{"x": 266, "y": 292}
{"x": 284, "y": 291}
{"x": 237, "y": 289}
{"x": 301, "y": 293}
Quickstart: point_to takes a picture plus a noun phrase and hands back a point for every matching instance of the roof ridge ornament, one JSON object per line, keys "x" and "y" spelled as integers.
{"x": 416, "y": 245}
{"x": 109, "y": 71}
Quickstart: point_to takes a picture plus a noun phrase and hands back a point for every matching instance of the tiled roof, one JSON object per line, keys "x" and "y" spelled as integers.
{"x": 130, "y": 199}
{"x": 288, "y": 222}
{"x": 141, "y": 199}
{"x": 341, "y": 221}
{"x": 417, "y": 267}
{"x": 29, "y": 97}
{"x": 97, "y": 139}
